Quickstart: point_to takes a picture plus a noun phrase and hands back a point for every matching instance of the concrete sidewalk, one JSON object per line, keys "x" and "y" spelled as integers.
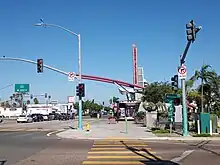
{"x": 102, "y": 130}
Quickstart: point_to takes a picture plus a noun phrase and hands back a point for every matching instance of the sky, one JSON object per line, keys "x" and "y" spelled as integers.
{"x": 108, "y": 28}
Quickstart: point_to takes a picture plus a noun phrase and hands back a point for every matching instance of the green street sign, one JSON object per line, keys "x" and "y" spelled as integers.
{"x": 21, "y": 87}
{"x": 172, "y": 96}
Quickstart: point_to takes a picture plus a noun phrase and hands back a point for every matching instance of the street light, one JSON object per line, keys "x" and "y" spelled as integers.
{"x": 79, "y": 60}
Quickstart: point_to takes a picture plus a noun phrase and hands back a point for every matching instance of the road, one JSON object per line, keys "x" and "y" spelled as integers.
{"x": 31, "y": 148}
{"x": 54, "y": 125}
{"x": 28, "y": 144}
{"x": 122, "y": 151}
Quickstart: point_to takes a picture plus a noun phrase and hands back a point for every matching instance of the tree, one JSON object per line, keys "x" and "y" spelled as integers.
{"x": 113, "y": 100}
{"x": 156, "y": 92}
{"x": 205, "y": 74}
{"x": 36, "y": 101}
{"x": 28, "y": 102}
{"x": 2, "y": 104}
{"x": 7, "y": 105}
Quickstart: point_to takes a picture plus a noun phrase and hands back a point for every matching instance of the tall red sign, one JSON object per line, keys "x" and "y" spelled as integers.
{"x": 135, "y": 69}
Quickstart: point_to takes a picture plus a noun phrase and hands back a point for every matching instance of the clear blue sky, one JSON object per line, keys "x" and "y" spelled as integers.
{"x": 108, "y": 29}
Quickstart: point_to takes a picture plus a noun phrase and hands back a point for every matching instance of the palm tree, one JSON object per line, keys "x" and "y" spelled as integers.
{"x": 205, "y": 75}
{"x": 113, "y": 100}
{"x": 36, "y": 101}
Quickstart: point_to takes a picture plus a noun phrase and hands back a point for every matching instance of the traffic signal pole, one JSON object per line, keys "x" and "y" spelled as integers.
{"x": 191, "y": 36}
{"x": 80, "y": 80}
{"x": 183, "y": 86}
{"x": 185, "y": 118}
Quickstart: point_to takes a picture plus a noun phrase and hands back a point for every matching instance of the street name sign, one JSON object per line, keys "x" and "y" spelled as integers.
{"x": 22, "y": 88}
{"x": 172, "y": 96}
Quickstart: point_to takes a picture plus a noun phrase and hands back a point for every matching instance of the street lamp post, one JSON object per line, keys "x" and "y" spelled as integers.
{"x": 79, "y": 62}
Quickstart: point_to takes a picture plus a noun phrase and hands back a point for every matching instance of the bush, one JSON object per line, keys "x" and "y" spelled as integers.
{"x": 140, "y": 115}
{"x": 202, "y": 135}
{"x": 160, "y": 131}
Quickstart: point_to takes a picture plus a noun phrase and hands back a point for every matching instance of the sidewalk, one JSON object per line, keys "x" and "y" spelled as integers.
{"x": 102, "y": 130}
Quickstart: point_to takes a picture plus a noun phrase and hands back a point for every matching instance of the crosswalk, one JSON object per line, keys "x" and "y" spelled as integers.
{"x": 120, "y": 152}
{"x": 24, "y": 130}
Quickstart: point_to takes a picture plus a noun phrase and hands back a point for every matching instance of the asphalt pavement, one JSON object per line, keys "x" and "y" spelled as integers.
{"x": 33, "y": 148}
{"x": 31, "y": 145}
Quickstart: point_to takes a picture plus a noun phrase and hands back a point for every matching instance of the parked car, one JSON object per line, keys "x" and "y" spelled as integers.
{"x": 24, "y": 119}
{"x": 37, "y": 117}
{"x": 1, "y": 118}
{"x": 46, "y": 118}
{"x": 64, "y": 116}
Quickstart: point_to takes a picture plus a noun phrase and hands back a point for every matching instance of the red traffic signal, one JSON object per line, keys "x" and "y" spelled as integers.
{"x": 80, "y": 90}
{"x": 39, "y": 65}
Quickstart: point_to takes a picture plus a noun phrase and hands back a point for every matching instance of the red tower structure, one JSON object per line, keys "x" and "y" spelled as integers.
{"x": 135, "y": 68}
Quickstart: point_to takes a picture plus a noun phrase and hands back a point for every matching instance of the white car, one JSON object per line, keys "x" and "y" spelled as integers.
{"x": 24, "y": 119}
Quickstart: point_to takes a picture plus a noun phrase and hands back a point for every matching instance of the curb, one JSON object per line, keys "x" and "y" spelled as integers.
{"x": 56, "y": 132}
{"x": 143, "y": 138}
{"x": 183, "y": 138}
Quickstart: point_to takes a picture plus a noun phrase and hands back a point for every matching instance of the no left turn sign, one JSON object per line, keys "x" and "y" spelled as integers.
{"x": 71, "y": 76}
{"x": 182, "y": 72}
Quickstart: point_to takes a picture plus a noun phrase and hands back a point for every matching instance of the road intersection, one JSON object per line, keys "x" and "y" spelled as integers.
{"x": 40, "y": 143}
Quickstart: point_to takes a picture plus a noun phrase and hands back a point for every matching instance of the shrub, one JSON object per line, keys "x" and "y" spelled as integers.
{"x": 202, "y": 135}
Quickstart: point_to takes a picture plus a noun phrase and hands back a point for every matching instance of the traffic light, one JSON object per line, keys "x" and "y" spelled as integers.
{"x": 191, "y": 31}
{"x": 82, "y": 90}
{"x": 77, "y": 90}
{"x": 176, "y": 101}
{"x": 174, "y": 82}
{"x": 39, "y": 65}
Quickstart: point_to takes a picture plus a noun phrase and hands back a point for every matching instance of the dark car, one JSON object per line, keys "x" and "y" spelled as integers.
{"x": 64, "y": 116}
{"x": 37, "y": 117}
{"x": 94, "y": 114}
{"x": 1, "y": 118}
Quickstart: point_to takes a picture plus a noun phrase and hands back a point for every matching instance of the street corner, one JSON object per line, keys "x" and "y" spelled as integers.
{"x": 76, "y": 134}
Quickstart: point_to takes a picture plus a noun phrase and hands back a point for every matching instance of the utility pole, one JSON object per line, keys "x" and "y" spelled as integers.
{"x": 191, "y": 31}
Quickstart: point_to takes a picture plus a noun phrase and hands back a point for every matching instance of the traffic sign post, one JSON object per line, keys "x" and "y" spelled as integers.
{"x": 71, "y": 76}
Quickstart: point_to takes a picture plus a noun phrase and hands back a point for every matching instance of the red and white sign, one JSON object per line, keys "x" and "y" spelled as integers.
{"x": 71, "y": 76}
{"x": 71, "y": 99}
{"x": 182, "y": 72}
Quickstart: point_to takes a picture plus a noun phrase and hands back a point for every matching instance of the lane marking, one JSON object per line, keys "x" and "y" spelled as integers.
{"x": 118, "y": 142}
{"x": 113, "y": 162}
{"x": 122, "y": 157}
{"x": 184, "y": 154}
{"x": 118, "y": 145}
{"x": 117, "y": 152}
{"x": 95, "y": 149}
{"x": 53, "y": 132}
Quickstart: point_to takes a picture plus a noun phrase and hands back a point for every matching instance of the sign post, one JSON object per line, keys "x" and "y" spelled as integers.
{"x": 22, "y": 88}
{"x": 182, "y": 76}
